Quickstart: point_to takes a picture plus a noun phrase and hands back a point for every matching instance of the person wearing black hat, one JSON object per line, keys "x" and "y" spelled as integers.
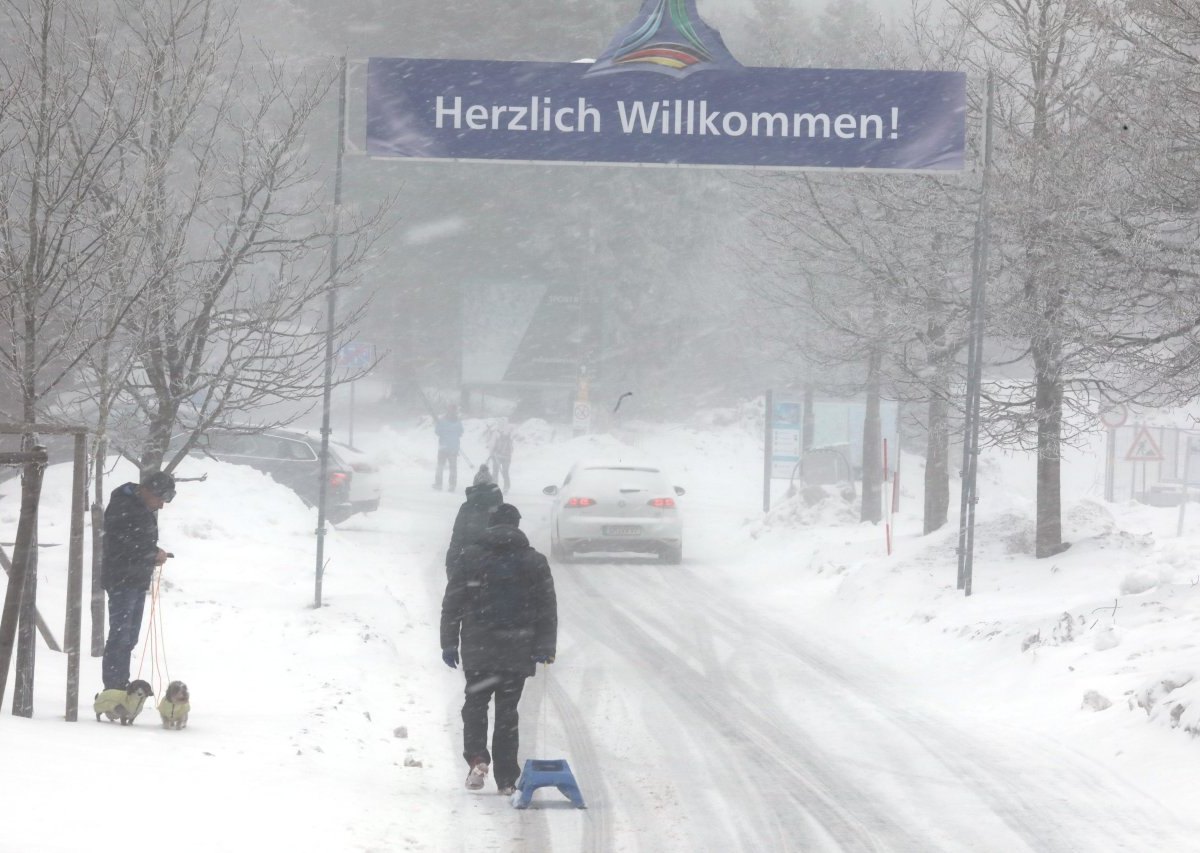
{"x": 474, "y": 516}
{"x": 500, "y": 611}
{"x": 130, "y": 555}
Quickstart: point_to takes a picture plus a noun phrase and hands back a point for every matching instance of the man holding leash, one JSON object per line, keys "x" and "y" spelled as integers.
{"x": 130, "y": 555}
{"x": 500, "y": 609}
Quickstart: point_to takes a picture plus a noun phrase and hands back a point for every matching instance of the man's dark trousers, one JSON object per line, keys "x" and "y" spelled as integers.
{"x": 507, "y": 687}
{"x": 125, "y": 607}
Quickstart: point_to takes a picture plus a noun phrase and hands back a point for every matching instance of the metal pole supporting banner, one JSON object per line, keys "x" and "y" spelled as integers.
{"x": 768, "y": 419}
{"x": 331, "y": 319}
{"x": 975, "y": 380}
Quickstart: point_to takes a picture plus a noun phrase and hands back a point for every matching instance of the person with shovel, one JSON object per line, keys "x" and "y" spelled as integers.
{"x": 449, "y": 431}
{"x": 500, "y": 610}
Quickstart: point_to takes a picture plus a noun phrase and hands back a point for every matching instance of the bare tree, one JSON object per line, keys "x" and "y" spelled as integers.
{"x": 1154, "y": 237}
{"x": 238, "y": 227}
{"x": 1059, "y": 303}
{"x": 871, "y": 272}
{"x": 877, "y": 269}
{"x": 60, "y": 139}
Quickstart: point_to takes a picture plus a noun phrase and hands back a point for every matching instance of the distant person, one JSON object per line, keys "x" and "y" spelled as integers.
{"x": 449, "y": 431}
{"x": 500, "y": 609}
{"x": 502, "y": 451}
{"x": 130, "y": 555}
{"x": 483, "y": 496}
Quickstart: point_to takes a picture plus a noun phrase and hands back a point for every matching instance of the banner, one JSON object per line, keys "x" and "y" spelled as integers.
{"x": 437, "y": 109}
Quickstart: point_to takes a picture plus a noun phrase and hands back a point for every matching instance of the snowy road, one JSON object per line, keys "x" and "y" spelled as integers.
{"x": 749, "y": 737}
{"x": 696, "y": 722}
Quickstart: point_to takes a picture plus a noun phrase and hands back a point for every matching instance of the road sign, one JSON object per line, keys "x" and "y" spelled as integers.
{"x": 1113, "y": 416}
{"x": 581, "y": 416}
{"x": 356, "y": 356}
{"x": 785, "y": 433}
{"x": 1144, "y": 448}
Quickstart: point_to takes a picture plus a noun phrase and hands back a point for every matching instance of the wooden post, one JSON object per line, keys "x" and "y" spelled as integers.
{"x": 31, "y": 488}
{"x": 73, "y": 632}
{"x": 43, "y": 628}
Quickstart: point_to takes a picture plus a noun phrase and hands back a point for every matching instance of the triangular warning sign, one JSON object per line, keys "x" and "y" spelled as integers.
{"x": 1144, "y": 448}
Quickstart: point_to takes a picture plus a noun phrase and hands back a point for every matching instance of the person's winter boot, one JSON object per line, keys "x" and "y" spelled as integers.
{"x": 507, "y": 790}
{"x": 479, "y": 772}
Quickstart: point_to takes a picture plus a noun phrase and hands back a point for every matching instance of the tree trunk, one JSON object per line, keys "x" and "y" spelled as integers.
{"x": 97, "y": 591}
{"x": 937, "y": 463}
{"x": 1049, "y": 402}
{"x": 154, "y": 450}
{"x": 872, "y": 454}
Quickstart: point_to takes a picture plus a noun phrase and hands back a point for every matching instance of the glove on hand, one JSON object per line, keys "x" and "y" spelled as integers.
{"x": 450, "y": 658}
{"x": 543, "y": 658}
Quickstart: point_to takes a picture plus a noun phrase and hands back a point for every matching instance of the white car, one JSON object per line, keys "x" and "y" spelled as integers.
{"x": 615, "y": 507}
{"x": 366, "y": 486}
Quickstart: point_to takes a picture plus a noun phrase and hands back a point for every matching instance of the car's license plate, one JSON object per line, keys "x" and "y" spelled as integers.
{"x": 622, "y": 530}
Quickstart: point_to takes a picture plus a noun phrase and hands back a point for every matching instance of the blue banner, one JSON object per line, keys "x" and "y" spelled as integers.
{"x": 725, "y": 116}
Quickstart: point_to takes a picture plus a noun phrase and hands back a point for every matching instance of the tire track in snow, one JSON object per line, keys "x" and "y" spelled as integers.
{"x": 597, "y": 831}
{"x": 593, "y": 686}
{"x": 810, "y": 809}
{"x": 1126, "y": 818}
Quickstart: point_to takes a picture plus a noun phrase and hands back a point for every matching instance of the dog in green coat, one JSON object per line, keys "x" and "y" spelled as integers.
{"x": 122, "y": 704}
{"x": 175, "y": 705}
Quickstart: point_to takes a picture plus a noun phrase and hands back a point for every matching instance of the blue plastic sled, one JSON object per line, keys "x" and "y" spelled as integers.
{"x": 544, "y": 774}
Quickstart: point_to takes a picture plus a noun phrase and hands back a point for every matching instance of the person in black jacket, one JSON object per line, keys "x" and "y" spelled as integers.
{"x": 500, "y": 610}
{"x": 130, "y": 555}
{"x": 473, "y": 516}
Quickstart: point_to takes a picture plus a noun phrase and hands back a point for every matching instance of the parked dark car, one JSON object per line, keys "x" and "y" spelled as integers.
{"x": 293, "y": 459}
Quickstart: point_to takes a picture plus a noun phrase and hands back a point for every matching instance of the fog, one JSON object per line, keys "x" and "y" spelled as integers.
{"x": 651, "y": 298}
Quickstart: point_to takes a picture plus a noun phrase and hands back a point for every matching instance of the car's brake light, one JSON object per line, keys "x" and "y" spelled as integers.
{"x": 338, "y": 479}
{"x": 576, "y": 502}
{"x": 663, "y": 503}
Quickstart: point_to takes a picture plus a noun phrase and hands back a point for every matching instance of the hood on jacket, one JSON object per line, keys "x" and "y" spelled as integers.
{"x": 503, "y": 537}
{"x": 125, "y": 493}
{"x": 485, "y": 494}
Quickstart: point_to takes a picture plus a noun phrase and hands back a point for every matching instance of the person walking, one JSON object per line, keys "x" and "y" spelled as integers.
{"x": 483, "y": 496}
{"x": 502, "y": 451}
{"x": 449, "y": 431}
{"x": 500, "y": 612}
{"x": 130, "y": 554}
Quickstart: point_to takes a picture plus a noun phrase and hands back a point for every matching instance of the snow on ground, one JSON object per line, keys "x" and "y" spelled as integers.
{"x": 337, "y": 729}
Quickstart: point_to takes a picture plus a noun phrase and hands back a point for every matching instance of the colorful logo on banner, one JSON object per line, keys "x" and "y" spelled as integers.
{"x": 669, "y": 37}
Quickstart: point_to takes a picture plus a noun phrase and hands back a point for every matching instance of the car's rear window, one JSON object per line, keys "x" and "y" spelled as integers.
{"x": 615, "y": 478}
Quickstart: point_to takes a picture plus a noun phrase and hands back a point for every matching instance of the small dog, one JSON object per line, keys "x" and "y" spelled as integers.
{"x": 175, "y": 705}
{"x": 122, "y": 704}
